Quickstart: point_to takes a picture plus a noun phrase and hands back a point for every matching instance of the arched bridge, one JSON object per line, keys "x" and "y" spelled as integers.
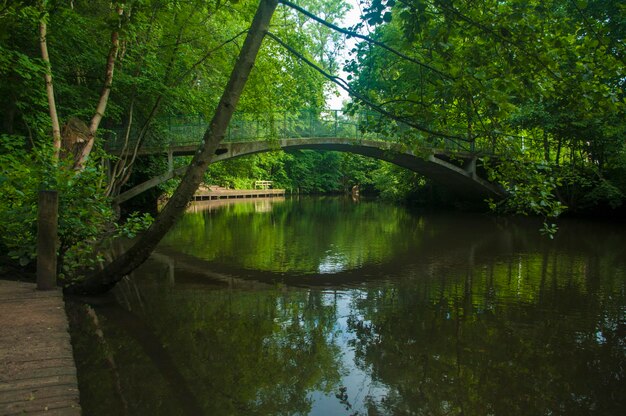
{"x": 450, "y": 163}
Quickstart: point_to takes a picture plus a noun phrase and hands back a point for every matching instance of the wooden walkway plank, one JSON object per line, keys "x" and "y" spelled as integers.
{"x": 37, "y": 369}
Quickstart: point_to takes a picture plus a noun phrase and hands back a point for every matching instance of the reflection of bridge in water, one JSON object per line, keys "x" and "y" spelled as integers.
{"x": 423, "y": 246}
{"x": 185, "y": 268}
{"x": 450, "y": 162}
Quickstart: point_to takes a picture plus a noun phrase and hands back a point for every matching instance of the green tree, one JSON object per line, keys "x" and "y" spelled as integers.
{"x": 539, "y": 81}
{"x": 142, "y": 61}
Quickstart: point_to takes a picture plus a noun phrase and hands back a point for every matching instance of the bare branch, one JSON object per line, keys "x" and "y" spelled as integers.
{"x": 206, "y": 56}
{"x": 344, "y": 85}
{"x": 121, "y": 162}
{"x": 365, "y": 38}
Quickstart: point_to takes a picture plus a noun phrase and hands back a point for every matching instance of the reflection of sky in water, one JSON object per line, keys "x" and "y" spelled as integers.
{"x": 334, "y": 261}
{"x": 360, "y": 388}
{"x": 518, "y": 308}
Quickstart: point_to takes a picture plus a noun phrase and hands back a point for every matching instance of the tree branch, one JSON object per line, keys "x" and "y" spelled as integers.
{"x": 206, "y": 56}
{"x": 102, "y": 102}
{"x": 365, "y": 38}
{"x": 344, "y": 85}
{"x": 125, "y": 170}
{"x": 496, "y": 35}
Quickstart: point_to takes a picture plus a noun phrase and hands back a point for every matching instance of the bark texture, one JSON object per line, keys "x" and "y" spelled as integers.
{"x": 84, "y": 152}
{"x": 140, "y": 251}
{"x": 52, "y": 107}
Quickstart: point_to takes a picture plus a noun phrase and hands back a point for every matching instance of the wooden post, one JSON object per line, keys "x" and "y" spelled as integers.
{"x": 47, "y": 218}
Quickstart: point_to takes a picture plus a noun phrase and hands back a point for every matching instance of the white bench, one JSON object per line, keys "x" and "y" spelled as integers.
{"x": 262, "y": 184}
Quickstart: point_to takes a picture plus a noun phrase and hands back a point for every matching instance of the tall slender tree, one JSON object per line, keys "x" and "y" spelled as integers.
{"x": 143, "y": 247}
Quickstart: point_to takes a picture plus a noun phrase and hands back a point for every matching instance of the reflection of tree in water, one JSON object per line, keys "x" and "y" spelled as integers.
{"x": 319, "y": 236}
{"x": 534, "y": 335}
{"x": 465, "y": 318}
{"x": 239, "y": 352}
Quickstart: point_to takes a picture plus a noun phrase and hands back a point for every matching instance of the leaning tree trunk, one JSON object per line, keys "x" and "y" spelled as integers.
{"x": 140, "y": 251}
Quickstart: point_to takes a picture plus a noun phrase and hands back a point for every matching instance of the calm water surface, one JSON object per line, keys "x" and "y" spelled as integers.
{"x": 330, "y": 307}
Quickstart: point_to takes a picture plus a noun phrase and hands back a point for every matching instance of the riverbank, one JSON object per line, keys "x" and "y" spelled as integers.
{"x": 37, "y": 370}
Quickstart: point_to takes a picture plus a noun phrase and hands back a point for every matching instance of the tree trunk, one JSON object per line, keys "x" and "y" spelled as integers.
{"x": 82, "y": 156}
{"x": 140, "y": 251}
{"x": 558, "y": 151}
{"x": 52, "y": 107}
{"x": 546, "y": 147}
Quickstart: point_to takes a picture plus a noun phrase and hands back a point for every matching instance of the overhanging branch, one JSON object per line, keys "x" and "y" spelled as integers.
{"x": 365, "y": 38}
{"x": 207, "y": 55}
{"x": 344, "y": 85}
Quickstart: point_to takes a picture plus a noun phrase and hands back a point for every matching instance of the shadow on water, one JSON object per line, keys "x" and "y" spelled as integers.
{"x": 86, "y": 318}
{"x": 327, "y": 307}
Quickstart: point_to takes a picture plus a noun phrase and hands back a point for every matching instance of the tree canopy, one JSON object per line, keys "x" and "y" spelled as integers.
{"x": 538, "y": 86}
{"x": 541, "y": 81}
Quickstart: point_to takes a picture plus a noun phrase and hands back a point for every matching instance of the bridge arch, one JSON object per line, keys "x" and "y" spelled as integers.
{"x": 460, "y": 177}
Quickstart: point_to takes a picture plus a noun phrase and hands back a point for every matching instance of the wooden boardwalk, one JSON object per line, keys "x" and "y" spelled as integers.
{"x": 37, "y": 370}
{"x": 211, "y": 195}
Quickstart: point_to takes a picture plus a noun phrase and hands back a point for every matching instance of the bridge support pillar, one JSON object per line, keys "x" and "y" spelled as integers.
{"x": 170, "y": 160}
{"x": 470, "y": 166}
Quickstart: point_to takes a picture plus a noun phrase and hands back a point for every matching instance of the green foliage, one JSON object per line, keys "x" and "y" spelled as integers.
{"x": 314, "y": 172}
{"x": 531, "y": 188}
{"x": 396, "y": 184}
{"x": 84, "y": 212}
{"x": 81, "y": 259}
{"x": 173, "y": 58}
{"x": 17, "y": 206}
{"x": 540, "y": 83}
{"x": 134, "y": 224}
{"x": 604, "y": 192}
{"x": 298, "y": 171}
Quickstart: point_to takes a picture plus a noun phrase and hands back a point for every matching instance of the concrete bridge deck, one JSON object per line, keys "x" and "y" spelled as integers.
{"x": 437, "y": 164}
{"x": 37, "y": 370}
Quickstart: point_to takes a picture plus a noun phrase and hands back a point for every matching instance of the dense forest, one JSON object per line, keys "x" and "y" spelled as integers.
{"x": 540, "y": 84}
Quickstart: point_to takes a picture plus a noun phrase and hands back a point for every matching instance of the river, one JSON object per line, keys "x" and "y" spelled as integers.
{"x": 326, "y": 306}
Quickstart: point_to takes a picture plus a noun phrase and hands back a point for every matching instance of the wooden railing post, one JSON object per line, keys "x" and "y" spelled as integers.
{"x": 47, "y": 218}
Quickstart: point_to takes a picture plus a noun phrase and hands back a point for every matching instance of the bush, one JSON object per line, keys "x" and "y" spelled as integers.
{"x": 85, "y": 213}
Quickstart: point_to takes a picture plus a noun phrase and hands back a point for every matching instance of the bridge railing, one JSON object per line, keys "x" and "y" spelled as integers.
{"x": 185, "y": 130}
